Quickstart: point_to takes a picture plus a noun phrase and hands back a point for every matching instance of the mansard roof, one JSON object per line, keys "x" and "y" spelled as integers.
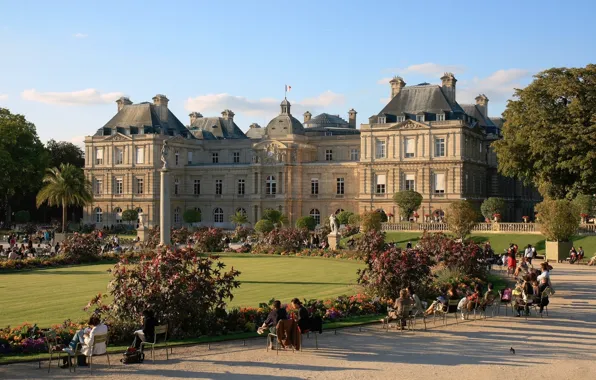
{"x": 217, "y": 127}
{"x": 326, "y": 120}
{"x": 485, "y": 122}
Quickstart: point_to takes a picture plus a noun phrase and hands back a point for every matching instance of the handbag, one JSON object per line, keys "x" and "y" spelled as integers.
{"x": 132, "y": 355}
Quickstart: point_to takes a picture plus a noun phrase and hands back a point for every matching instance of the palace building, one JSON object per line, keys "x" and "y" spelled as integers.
{"x": 423, "y": 140}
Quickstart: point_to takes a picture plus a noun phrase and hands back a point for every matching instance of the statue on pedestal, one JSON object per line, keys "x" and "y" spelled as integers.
{"x": 334, "y": 224}
{"x": 164, "y": 154}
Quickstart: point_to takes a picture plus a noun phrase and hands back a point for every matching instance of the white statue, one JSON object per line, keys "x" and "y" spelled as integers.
{"x": 164, "y": 154}
{"x": 140, "y": 219}
{"x": 334, "y": 224}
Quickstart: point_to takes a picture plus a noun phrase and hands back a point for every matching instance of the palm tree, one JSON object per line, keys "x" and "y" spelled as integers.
{"x": 239, "y": 218}
{"x": 65, "y": 187}
{"x": 276, "y": 217}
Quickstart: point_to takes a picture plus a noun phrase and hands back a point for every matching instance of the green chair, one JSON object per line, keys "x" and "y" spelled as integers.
{"x": 163, "y": 329}
{"x": 103, "y": 338}
{"x": 51, "y": 339}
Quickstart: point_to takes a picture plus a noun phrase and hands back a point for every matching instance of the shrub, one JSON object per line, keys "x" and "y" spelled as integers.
{"x": 239, "y": 218}
{"x": 344, "y": 217}
{"x": 87, "y": 228}
{"x": 407, "y": 201}
{"x": 208, "y": 239}
{"x": 492, "y": 206}
{"x": 22, "y": 216}
{"x": 350, "y": 230}
{"x": 306, "y": 222}
{"x": 180, "y": 287}
{"x": 264, "y": 226}
{"x": 370, "y": 242}
{"x": 82, "y": 248}
{"x": 370, "y": 220}
{"x": 559, "y": 219}
{"x": 382, "y": 215}
{"x": 354, "y": 220}
{"x": 585, "y": 204}
{"x": 285, "y": 239}
{"x": 465, "y": 256}
{"x": 276, "y": 217}
{"x": 130, "y": 215}
{"x": 180, "y": 235}
{"x": 191, "y": 216}
{"x": 461, "y": 218}
{"x": 241, "y": 233}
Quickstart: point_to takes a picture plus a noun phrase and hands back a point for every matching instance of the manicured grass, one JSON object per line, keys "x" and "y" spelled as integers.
{"x": 49, "y": 296}
{"x": 500, "y": 242}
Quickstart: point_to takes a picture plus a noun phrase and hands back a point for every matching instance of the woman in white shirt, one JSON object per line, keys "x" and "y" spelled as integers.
{"x": 544, "y": 267}
{"x": 85, "y": 337}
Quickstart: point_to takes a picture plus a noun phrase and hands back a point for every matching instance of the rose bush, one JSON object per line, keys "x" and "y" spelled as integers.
{"x": 208, "y": 239}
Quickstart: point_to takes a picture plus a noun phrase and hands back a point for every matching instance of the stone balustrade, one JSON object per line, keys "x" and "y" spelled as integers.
{"x": 519, "y": 228}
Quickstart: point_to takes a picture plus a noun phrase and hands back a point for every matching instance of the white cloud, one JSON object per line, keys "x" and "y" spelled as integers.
{"x": 89, "y": 96}
{"x": 213, "y": 104}
{"x": 3, "y": 97}
{"x": 498, "y": 86}
{"x": 80, "y": 35}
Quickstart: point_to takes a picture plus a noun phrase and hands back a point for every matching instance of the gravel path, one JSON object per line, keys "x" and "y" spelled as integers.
{"x": 559, "y": 347}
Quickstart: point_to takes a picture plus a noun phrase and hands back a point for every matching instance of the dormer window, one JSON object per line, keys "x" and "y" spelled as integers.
{"x": 382, "y": 119}
{"x": 420, "y": 118}
{"x": 440, "y": 117}
{"x": 400, "y": 119}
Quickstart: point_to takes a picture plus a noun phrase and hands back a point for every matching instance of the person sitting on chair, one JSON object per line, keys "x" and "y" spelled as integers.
{"x": 418, "y": 308}
{"x": 543, "y": 298}
{"x": 275, "y": 315}
{"x": 148, "y": 330}
{"x": 572, "y": 255}
{"x": 399, "y": 308}
{"x": 85, "y": 338}
{"x": 580, "y": 254}
{"x": 303, "y": 318}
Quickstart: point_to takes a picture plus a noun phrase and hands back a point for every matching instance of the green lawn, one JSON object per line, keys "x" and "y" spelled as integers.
{"x": 48, "y": 296}
{"x": 500, "y": 242}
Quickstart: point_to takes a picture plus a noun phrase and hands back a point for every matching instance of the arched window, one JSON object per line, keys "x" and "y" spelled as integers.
{"x": 98, "y": 215}
{"x": 339, "y": 210}
{"x": 316, "y": 215}
{"x": 118, "y": 215}
{"x": 241, "y": 210}
{"x": 218, "y": 215}
{"x": 139, "y": 210}
{"x": 177, "y": 215}
{"x": 270, "y": 185}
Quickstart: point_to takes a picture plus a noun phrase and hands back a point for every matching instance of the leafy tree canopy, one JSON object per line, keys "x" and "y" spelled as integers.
{"x": 585, "y": 204}
{"x": 264, "y": 226}
{"x": 191, "y": 216}
{"x": 344, "y": 217}
{"x": 550, "y": 133}
{"x": 461, "y": 218}
{"x": 307, "y": 222}
{"x": 559, "y": 219}
{"x": 64, "y": 152}
{"x": 130, "y": 215}
{"x": 408, "y": 201}
{"x": 492, "y": 206}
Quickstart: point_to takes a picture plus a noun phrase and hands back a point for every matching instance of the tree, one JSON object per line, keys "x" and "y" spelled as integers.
{"x": 264, "y": 226}
{"x": 584, "y": 204}
{"x": 344, "y": 217}
{"x": 130, "y": 215}
{"x": 239, "y": 218}
{"x": 65, "y": 187}
{"x": 23, "y": 158}
{"x": 64, "y": 152}
{"x": 559, "y": 219}
{"x": 461, "y": 218}
{"x": 370, "y": 220}
{"x": 550, "y": 133}
{"x": 276, "y": 217}
{"x": 22, "y": 216}
{"x": 191, "y": 216}
{"x": 306, "y": 222}
{"x": 407, "y": 201}
{"x": 492, "y": 206}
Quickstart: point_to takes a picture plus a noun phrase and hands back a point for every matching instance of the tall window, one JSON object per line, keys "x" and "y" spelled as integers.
{"x": 409, "y": 147}
{"x": 218, "y": 215}
{"x": 410, "y": 182}
{"x": 215, "y": 158}
{"x": 140, "y": 185}
{"x": 218, "y": 186}
{"x": 98, "y": 186}
{"x": 241, "y": 210}
{"x": 381, "y": 182}
{"x": 176, "y": 186}
{"x": 140, "y": 155}
{"x": 241, "y": 186}
{"x": 314, "y": 186}
{"x": 176, "y": 158}
{"x": 329, "y": 155}
{"x": 118, "y": 215}
{"x": 340, "y": 190}
{"x": 98, "y": 215}
{"x": 177, "y": 215}
{"x": 380, "y": 149}
{"x": 439, "y": 183}
{"x": 119, "y": 186}
{"x": 400, "y": 119}
{"x": 316, "y": 215}
{"x": 420, "y": 118}
{"x": 189, "y": 157}
{"x": 270, "y": 185}
{"x": 439, "y": 147}
{"x": 382, "y": 119}
{"x": 236, "y": 157}
{"x": 118, "y": 156}
{"x": 197, "y": 187}
{"x": 354, "y": 154}
{"x": 98, "y": 156}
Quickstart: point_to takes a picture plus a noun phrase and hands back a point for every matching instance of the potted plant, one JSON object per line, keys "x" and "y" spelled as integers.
{"x": 558, "y": 223}
{"x": 584, "y": 217}
{"x": 415, "y": 216}
{"x": 427, "y": 217}
{"x": 497, "y": 217}
{"x": 525, "y": 218}
{"x": 390, "y": 216}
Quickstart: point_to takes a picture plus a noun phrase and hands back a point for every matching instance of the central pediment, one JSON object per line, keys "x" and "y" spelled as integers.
{"x": 409, "y": 124}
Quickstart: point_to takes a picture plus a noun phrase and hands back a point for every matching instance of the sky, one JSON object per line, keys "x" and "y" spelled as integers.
{"x": 64, "y": 63}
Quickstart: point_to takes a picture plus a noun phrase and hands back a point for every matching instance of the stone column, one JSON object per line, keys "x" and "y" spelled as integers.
{"x": 164, "y": 208}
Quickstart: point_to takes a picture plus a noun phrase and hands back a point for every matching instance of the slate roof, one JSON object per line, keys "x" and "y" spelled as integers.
{"x": 412, "y": 100}
{"x": 284, "y": 123}
{"x": 144, "y": 118}
{"x": 326, "y": 120}
{"x": 217, "y": 127}
{"x": 485, "y": 122}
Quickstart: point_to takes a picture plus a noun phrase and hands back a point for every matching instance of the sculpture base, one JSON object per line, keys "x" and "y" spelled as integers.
{"x": 142, "y": 233}
{"x": 334, "y": 239}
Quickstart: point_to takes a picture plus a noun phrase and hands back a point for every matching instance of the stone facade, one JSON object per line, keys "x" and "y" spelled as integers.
{"x": 422, "y": 140}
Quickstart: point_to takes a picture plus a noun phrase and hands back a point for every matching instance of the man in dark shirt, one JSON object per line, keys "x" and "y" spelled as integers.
{"x": 148, "y": 331}
{"x": 275, "y": 315}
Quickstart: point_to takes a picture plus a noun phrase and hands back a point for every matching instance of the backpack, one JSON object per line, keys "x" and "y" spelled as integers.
{"x": 132, "y": 355}
{"x": 506, "y": 295}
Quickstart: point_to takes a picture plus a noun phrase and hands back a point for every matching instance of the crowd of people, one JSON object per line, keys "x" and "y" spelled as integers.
{"x": 31, "y": 245}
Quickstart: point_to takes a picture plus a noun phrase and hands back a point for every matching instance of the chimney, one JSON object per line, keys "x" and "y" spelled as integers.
{"x": 448, "y": 80}
{"x": 397, "y": 83}
{"x": 194, "y": 116}
{"x": 161, "y": 100}
{"x": 123, "y": 101}
{"x": 352, "y": 118}
{"x": 482, "y": 103}
{"x": 307, "y": 116}
{"x": 227, "y": 115}
{"x": 255, "y": 125}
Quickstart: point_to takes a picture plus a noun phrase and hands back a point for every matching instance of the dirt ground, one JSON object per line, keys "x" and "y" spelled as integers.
{"x": 561, "y": 346}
